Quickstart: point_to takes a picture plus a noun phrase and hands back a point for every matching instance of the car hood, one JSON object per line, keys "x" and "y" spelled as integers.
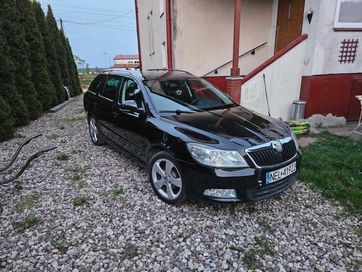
{"x": 237, "y": 124}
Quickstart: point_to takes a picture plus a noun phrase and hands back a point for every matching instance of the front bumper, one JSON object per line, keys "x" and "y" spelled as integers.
{"x": 248, "y": 183}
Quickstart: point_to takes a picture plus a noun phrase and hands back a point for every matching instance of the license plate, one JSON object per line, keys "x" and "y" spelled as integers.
{"x": 281, "y": 173}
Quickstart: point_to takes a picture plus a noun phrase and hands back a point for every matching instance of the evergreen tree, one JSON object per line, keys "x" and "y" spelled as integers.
{"x": 50, "y": 52}
{"x": 68, "y": 63}
{"x": 18, "y": 52}
{"x": 71, "y": 66}
{"x": 6, "y": 121}
{"x": 60, "y": 51}
{"x": 77, "y": 87}
{"x": 11, "y": 105}
{"x": 40, "y": 76}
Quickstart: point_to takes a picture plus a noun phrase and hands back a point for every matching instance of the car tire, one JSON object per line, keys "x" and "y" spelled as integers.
{"x": 165, "y": 176}
{"x": 95, "y": 133}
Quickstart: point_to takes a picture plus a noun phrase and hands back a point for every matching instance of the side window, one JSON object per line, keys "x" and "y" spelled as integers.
{"x": 111, "y": 87}
{"x": 97, "y": 84}
{"x": 128, "y": 92}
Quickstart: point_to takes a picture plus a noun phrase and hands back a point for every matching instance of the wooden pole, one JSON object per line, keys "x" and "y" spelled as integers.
{"x": 235, "y": 70}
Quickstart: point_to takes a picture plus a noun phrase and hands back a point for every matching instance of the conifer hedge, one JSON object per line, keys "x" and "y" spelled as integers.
{"x": 36, "y": 63}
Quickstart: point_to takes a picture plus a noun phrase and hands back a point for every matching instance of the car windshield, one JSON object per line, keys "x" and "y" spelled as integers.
{"x": 186, "y": 95}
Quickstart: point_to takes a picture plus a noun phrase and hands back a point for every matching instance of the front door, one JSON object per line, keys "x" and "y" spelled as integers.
{"x": 130, "y": 124}
{"x": 289, "y": 22}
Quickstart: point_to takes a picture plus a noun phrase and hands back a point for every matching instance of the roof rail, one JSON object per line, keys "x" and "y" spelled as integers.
{"x": 113, "y": 69}
{"x": 170, "y": 70}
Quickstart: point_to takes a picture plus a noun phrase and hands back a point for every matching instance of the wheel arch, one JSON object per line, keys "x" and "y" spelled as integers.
{"x": 154, "y": 149}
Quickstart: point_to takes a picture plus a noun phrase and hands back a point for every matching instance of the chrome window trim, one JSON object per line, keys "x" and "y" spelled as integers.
{"x": 91, "y": 92}
{"x": 269, "y": 144}
{"x": 106, "y": 98}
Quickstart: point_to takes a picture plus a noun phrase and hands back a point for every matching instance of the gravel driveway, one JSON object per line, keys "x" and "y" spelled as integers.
{"x": 84, "y": 208}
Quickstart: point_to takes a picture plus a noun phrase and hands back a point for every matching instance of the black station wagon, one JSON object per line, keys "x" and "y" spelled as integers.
{"x": 193, "y": 139}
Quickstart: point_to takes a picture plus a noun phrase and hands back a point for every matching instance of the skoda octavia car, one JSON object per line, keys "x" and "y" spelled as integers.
{"x": 193, "y": 139}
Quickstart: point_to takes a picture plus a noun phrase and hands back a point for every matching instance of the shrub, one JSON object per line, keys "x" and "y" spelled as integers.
{"x": 55, "y": 35}
{"x": 18, "y": 64}
{"x": 6, "y": 121}
{"x": 37, "y": 58}
{"x": 50, "y": 53}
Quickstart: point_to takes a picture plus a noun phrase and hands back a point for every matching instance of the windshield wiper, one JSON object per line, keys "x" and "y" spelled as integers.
{"x": 178, "y": 111}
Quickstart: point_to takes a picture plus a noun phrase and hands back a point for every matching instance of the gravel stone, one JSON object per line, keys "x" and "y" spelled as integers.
{"x": 135, "y": 231}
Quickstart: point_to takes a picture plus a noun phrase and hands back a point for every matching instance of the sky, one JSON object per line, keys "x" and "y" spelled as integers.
{"x": 97, "y": 30}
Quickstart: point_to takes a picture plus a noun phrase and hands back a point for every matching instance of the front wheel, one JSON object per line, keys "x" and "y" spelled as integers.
{"x": 166, "y": 178}
{"x": 94, "y": 131}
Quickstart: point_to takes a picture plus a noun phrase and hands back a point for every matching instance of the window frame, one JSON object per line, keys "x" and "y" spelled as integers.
{"x": 340, "y": 26}
{"x": 104, "y": 85}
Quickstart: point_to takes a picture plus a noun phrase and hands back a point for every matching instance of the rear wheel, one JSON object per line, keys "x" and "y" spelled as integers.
{"x": 94, "y": 132}
{"x": 166, "y": 178}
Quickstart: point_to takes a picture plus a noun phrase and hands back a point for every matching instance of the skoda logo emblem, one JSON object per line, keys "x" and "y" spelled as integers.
{"x": 277, "y": 146}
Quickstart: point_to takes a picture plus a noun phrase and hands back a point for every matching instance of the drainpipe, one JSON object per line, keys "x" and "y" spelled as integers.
{"x": 138, "y": 34}
{"x": 169, "y": 35}
{"x": 234, "y": 81}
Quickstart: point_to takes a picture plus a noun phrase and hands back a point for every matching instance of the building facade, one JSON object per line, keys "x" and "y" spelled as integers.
{"x": 126, "y": 61}
{"x": 307, "y": 49}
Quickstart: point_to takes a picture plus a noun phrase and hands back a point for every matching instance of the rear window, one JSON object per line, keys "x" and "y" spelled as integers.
{"x": 97, "y": 84}
{"x": 111, "y": 87}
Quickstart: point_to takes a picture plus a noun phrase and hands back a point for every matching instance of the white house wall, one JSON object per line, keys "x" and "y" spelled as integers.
{"x": 246, "y": 63}
{"x": 152, "y": 28}
{"x": 324, "y": 43}
{"x": 203, "y": 34}
{"x": 283, "y": 80}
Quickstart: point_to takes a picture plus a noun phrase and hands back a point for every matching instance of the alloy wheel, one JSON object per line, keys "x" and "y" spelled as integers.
{"x": 166, "y": 179}
{"x": 93, "y": 129}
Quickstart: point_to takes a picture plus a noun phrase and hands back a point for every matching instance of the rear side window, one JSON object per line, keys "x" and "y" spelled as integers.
{"x": 111, "y": 87}
{"x": 97, "y": 84}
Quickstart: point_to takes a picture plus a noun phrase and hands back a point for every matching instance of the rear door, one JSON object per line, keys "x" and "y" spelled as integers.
{"x": 90, "y": 97}
{"x": 105, "y": 104}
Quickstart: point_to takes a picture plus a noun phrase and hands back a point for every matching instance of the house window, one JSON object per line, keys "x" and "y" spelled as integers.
{"x": 348, "y": 15}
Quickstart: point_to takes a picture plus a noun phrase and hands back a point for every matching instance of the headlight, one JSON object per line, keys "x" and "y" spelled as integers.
{"x": 216, "y": 157}
{"x": 295, "y": 139}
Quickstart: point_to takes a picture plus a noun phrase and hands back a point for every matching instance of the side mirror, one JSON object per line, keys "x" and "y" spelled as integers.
{"x": 131, "y": 105}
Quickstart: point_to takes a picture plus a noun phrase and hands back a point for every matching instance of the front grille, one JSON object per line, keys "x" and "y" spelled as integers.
{"x": 269, "y": 190}
{"x": 268, "y": 156}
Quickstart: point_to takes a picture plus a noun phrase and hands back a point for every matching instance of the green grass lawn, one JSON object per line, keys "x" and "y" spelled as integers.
{"x": 334, "y": 165}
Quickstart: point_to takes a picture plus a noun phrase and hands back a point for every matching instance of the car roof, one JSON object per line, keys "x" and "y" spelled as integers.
{"x": 151, "y": 74}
